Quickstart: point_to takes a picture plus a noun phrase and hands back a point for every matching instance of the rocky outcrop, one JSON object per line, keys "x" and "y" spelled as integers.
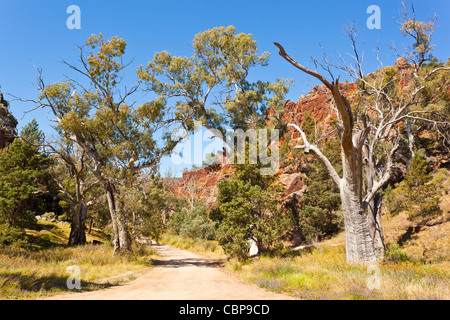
{"x": 8, "y": 124}
{"x": 203, "y": 183}
{"x": 319, "y": 104}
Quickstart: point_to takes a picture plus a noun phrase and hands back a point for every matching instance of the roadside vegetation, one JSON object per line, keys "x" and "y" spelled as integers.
{"x": 202, "y": 246}
{"x": 322, "y": 273}
{"x": 415, "y": 266}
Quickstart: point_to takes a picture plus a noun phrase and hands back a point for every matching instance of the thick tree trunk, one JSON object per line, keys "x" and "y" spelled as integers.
{"x": 124, "y": 235}
{"x": 358, "y": 242}
{"x": 78, "y": 230}
{"x": 376, "y": 229}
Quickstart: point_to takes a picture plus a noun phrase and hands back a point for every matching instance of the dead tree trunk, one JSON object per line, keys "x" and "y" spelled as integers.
{"x": 359, "y": 244}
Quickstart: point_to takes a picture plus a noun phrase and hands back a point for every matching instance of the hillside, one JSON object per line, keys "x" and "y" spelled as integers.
{"x": 318, "y": 105}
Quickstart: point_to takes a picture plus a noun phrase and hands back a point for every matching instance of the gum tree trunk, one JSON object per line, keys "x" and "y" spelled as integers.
{"x": 358, "y": 242}
{"x": 122, "y": 239}
{"x": 376, "y": 228}
{"x": 78, "y": 230}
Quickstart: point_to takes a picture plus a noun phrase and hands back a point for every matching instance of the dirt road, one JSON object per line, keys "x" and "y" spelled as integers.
{"x": 181, "y": 275}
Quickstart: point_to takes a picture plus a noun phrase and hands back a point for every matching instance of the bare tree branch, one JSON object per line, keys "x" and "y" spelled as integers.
{"x": 307, "y": 147}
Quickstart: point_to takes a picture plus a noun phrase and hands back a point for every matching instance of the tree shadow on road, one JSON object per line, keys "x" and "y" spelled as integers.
{"x": 186, "y": 262}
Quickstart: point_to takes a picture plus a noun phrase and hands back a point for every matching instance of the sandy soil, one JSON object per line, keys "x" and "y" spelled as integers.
{"x": 180, "y": 275}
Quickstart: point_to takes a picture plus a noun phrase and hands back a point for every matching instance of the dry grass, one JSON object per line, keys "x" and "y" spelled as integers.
{"x": 208, "y": 247}
{"x": 324, "y": 274}
{"x": 416, "y": 265}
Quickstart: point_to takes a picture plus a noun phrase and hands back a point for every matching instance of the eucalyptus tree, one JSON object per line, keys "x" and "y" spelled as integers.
{"x": 76, "y": 185}
{"x": 93, "y": 111}
{"x": 369, "y": 128}
{"x": 213, "y": 86}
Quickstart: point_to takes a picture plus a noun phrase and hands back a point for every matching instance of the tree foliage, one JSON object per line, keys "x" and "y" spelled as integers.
{"x": 117, "y": 136}
{"x": 248, "y": 207}
{"x": 213, "y": 85}
{"x": 319, "y": 214}
{"x": 417, "y": 194}
{"x": 193, "y": 222}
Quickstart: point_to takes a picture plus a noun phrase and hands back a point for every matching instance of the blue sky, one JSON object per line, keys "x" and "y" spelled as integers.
{"x": 35, "y": 33}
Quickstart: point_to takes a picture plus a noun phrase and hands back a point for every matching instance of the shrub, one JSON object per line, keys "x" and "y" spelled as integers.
{"x": 395, "y": 199}
{"x": 193, "y": 223}
{"x": 395, "y": 254}
{"x": 13, "y": 236}
{"x": 249, "y": 208}
{"x": 196, "y": 224}
{"x": 418, "y": 193}
{"x": 319, "y": 214}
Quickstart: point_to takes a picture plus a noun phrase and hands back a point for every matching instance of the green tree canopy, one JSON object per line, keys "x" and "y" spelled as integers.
{"x": 116, "y": 135}
{"x": 23, "y": 175}
{"x": 213, "y": 85}
{"x": 249, "y": 207}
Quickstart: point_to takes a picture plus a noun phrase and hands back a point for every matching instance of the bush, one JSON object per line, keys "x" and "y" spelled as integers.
{"x": 319, "y": 213}
{"x": 395, "y": 199}
{"x": 196, "y": 224}
{"x": 395, "y": 254}
{"x": 249, "y": 208}
{"x": 23, "y": 174}
{"x": 193, "y": 223}
{"x": 418, "y": 193}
